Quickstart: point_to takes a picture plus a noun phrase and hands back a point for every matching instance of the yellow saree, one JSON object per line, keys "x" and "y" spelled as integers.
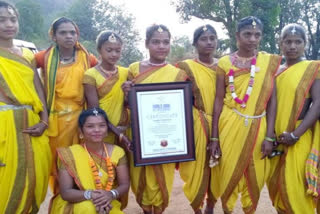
{"x": 196, "y": 173}
{"x": 287, "y": 186}
{"x": 111, "y": 96}
{"x": 65, "y": 97}
{"x": 25, "y": 161}
{"x": 75, "y": 160}
{"x": 241, "y": 169}
{"x": 152, "y": 185}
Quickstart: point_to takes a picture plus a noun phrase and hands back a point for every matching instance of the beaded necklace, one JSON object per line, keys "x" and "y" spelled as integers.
{"x": 243, "y": 101}
{"x": 95, "y": 171}
{"x": 108, "y": 73}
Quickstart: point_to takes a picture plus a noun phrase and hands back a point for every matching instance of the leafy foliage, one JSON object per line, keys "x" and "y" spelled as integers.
{"x": 109, "y": 17}
{"x": 181, "y": 48}
{"x": 274, "y": 14}
{"x": 93, "y": 17}
{"x": 228, "y": 12}
{"x": 31, "y": 20}
{"x": 311, "y": 20}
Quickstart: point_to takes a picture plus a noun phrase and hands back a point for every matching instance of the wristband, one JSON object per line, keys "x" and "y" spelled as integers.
{"x": 87, "y": 194}
{"x": 45, "y": 123}
{"x": 270, "y": 139}
{"x": 120, "y": 137}
{"x": 115, "y": 193}
{"x": 214, "y": 139}
{"x": 293, "y": 136}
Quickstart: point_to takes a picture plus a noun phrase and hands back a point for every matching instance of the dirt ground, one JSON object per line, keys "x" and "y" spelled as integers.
{"x": 179, "y": 204}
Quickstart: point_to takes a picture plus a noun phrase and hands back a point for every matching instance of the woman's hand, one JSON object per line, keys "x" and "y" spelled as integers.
{"x": 105, "y": 209}
{"x": 266, "y": 148}
{"x": 286, "y": 139}
{"x": 126, "y": 87}
{"x": 101, "y": 198}
{"x": 127, "y": 143}
{"x": 36, "y": 130}
{"x": 214, "y": 150}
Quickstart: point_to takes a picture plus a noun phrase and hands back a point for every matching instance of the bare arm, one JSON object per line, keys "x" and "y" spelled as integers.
{"x": 66, "y": 184}
{"x": 310, "y": 118}
{"x": 39, "y": 128}
{"x": 91, "y": 94}
{"x": 218, "y": 104}
{"x": 126, "y": 86}
{"x": 123, "y": 179}
{"x": 271, "y": 118}
{"x": 314, "y": 111}
{"x": 214, "y": 147}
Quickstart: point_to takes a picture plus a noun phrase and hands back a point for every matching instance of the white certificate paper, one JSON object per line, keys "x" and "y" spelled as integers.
{"x": 162, "y": 123}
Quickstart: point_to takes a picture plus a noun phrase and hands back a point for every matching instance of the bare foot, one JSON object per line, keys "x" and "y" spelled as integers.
{"x": 198, "y": 212}
{"x": 208, "y": 210}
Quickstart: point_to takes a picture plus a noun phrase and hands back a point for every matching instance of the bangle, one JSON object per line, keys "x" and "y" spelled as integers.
{"x": 293, "y": 136}
{"x": 87, "y": 194}
{"x": 120, "y": 137}
{"x": 115, "y": 193}
{"x": 45, "y": 123}
{"x": 270, "y": 139}
{"x": 213, "y": 139}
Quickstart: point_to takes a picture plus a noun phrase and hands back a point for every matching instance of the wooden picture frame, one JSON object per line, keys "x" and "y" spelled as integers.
{"x": 162, "y": 123}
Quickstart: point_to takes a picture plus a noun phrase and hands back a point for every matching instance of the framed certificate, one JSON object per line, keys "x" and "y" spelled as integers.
{"x": 162, "y": 123}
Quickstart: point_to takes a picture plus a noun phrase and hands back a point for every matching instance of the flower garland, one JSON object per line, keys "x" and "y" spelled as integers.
{"x": 95, "y": 171}
{"x": 249, "y": 89}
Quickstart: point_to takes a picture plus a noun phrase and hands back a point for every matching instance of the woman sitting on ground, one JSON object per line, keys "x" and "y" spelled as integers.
{"x": 93, "y": 176}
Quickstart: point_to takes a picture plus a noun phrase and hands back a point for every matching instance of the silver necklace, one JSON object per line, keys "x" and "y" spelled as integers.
{"x": 156, "y": 64}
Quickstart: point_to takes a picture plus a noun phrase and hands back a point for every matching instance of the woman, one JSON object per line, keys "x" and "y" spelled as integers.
{"x": 93, "y": 176}
{"x": 298, "y": 84}
{"x": 63, "y": 66}
{"x": 25, "y": 157}
{"x": 152, "y": 185}
{"x": 201, "y": 72}
{"x": 243, "y": 117}
{"x": 102, "y": 84}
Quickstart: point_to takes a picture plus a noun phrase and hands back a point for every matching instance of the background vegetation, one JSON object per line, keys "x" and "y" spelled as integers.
{"x": 93, "y": 16}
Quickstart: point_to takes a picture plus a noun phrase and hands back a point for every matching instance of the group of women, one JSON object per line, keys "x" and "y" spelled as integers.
{"x": 246, "y": 106}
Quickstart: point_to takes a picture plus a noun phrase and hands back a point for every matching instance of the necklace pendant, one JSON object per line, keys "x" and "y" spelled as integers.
{"x": 100, "y": 173}
{"x": 243, "y": 105}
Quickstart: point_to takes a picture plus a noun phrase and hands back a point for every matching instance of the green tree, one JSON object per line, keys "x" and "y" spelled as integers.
{"x": 109, "y": 17}
{"x": 31, "y": 20}
{"x": 181, "y": 48}
{"x": 311, "y": 19}
{"x": 228, "y": 12}
{"x": 95, "y": 16}
{"x": 82, "y": 13}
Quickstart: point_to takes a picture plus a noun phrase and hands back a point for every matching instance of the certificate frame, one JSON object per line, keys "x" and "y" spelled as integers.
{"x": 177, "y": 144}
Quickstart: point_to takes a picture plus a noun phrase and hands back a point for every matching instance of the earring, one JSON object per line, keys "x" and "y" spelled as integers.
{"x": 81, "y": 136}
